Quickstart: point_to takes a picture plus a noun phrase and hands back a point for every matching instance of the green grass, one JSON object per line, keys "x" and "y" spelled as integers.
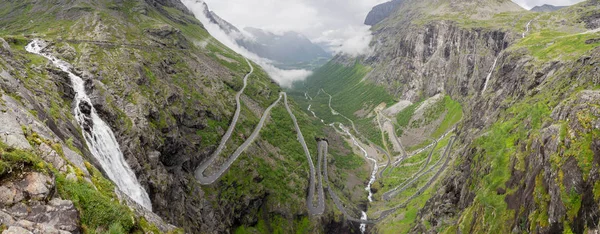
{"x": 552, "y": 45}
{"x": 454, "y": 113}
{"x": 96, "y": 209}
{"x": 345, "y": 83}
{"x": 14, "y": 160}
{"x": 350, "y": 94}
{"x": 403, "y": 118}
{"x": 496, "y": 148}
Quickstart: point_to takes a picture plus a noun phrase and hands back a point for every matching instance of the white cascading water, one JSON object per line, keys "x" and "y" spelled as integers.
{"x": 100, "y": 139}
{"x": 363, "y": 226}
{"x": 487, "y": 79}
{"x": 526, "y": 29}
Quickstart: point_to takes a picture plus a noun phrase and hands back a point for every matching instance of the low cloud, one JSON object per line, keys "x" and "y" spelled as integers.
{"x": 352, "y": 40}
{"x": 528, "y": 4}
{"x": 337, "y": 25}
{"x": 284, "y": 78}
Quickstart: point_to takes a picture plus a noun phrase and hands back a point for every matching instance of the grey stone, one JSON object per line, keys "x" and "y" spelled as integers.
{"x": 16, "y": 230}
{"x": 4, "y": 47}
{"x": 51, "y": 156}
{"x": 59, "y": 214}
{"x": 37, "y": 185}
{"x": 19, "y": 210}
{"x": 76, "y": 159}
{"x": 11, "y": 132}
{"x": 9, "y": 194}
{"x": 6, "y": 219}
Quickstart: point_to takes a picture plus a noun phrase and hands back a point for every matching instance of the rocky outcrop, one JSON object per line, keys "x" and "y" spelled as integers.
{"x": 381, "y": 12}
{"x": 29, "y": 205}
{"x": 438, "y": 57}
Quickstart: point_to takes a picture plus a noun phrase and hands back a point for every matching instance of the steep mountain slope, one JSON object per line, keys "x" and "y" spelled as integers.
{"x": 381, "y": 11}
{"x": 523, "y": 158}
{"x": 167, "y": 90}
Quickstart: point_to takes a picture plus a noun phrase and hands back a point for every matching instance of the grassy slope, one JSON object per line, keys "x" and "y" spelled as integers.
{"x": 283, "y": 172}
{"x": 350, "y": 94}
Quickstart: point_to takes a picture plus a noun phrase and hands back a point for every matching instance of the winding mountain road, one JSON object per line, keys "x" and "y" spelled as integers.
{"x": 322, "y": 150}
{"x": 313, "y": 209}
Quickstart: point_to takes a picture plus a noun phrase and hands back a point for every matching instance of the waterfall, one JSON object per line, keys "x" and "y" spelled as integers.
{"x": 363, "y": 226}
{"x": 373, "y": 174}
{"x": 487, "y": 79}
{"x": 98, "y": 136}
{"x": 526, "y": 29}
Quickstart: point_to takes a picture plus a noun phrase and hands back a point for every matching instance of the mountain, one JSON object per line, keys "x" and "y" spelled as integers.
{"x": 288, "y": 50}
{"x": 472, "y": 116}
{"x": 382, "y": 11}
{"x": 487, "y": 111}
{"x": 546, "y": 8}
{"x": 109, "y": 107}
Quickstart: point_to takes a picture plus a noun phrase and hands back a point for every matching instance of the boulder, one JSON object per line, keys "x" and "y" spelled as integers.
{"x": 51, "y": 156}
{"x": 9, "y": 195}
{"x": 36, "y": 185}
{"x": 16, "y": 230}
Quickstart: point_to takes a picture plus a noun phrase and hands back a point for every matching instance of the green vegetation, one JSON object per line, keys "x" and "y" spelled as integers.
{"x": 453, "y": 114}
{"x": 346, "y": 84}
{"x": 97, "y": 209}
{"x": 278, "y": 225}
{"x": 13, "y": 160}
{"x": 553, "y": 45}
{"x": 403, "y": 118}
{"x": 403, "y": 173}
{"x": 495, "y": 149}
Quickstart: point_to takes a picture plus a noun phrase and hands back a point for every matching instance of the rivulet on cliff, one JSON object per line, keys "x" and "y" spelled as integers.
{"x": 464, "y": 117}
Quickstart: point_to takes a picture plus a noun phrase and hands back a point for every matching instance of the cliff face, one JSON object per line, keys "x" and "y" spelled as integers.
{"x": 526, "y": 84}
{"x": 381, "y": 11}
{"x": 517, "y": 166}
{"x": 166, "y": 88}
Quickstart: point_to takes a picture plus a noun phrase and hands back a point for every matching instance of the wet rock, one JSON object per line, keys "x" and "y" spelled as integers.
{"x": 63, "y": 82}
{"x": 85, "y": 107}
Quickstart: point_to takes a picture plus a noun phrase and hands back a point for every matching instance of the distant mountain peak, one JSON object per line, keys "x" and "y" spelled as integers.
{"x": 546, "y": 8}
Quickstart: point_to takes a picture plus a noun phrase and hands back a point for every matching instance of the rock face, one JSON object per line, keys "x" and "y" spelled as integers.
{"x": 546, "y": 8}
{"x": 548, "y": 179}
{"x": 382, "y": 11}
{"x": 423, "y": 59}
{"x": 157, "y": 80}
{"x": 27, "y": 206}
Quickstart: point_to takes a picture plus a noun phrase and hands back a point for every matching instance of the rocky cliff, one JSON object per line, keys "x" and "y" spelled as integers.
{"x": 381, "y": 11}
{"x": 517, "y": 167}
{"x": 525, "y": 147}
{"x": 166, "y": 88}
